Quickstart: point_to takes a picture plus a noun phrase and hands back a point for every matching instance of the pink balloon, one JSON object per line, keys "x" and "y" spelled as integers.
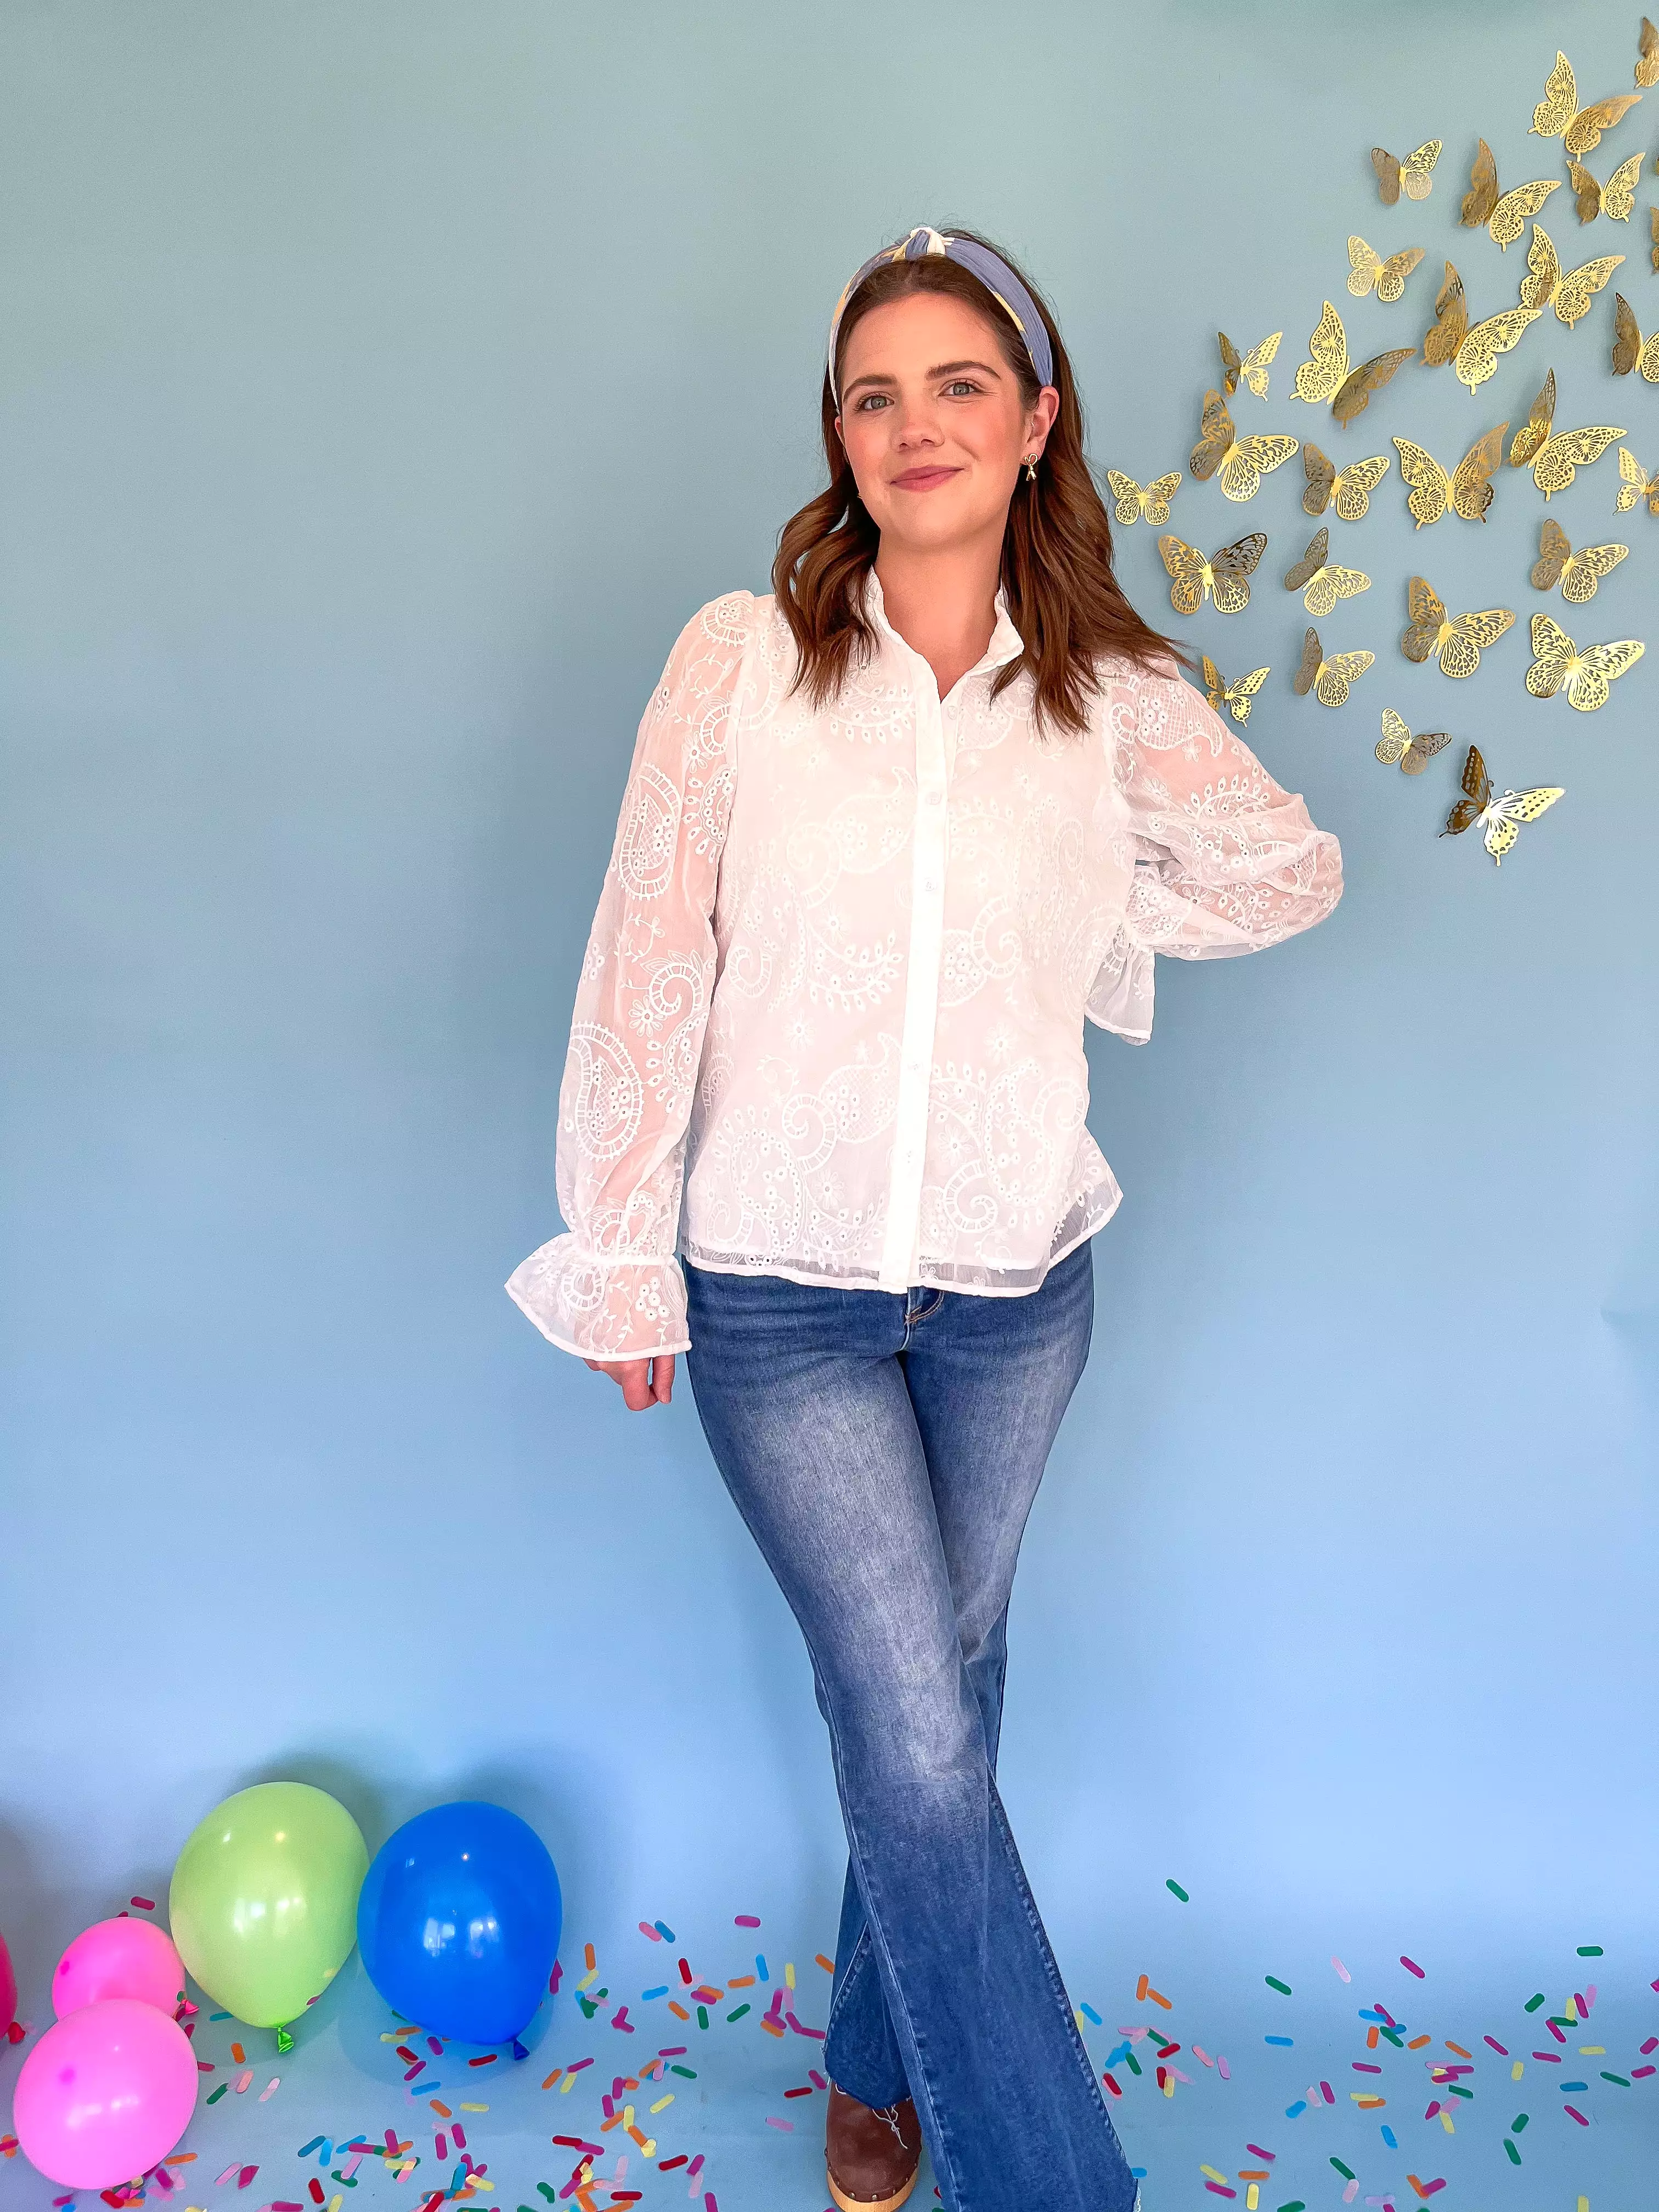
{"x": 8, "y": 1989}
{"x": 105, "y": 2094}
{"x": 118, "y": 1958}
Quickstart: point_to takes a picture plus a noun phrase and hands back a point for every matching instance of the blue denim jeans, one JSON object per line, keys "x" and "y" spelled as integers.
{"x": 885, "y": 1450}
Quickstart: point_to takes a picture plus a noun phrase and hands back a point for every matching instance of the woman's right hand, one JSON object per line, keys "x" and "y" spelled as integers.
{"x": 643, "y": 1382}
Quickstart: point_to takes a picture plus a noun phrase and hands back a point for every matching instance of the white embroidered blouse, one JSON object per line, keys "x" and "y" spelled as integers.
{"x": 837, "y": 979}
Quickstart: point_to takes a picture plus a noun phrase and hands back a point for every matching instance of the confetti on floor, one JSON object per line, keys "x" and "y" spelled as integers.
{"x": 1452, "y": 2103}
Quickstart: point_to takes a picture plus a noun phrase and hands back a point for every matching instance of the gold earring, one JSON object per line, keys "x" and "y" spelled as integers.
{"x": 1030, "y": 468}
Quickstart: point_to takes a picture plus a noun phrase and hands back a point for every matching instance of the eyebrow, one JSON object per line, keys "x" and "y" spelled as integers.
{"x": 939, "y": 368}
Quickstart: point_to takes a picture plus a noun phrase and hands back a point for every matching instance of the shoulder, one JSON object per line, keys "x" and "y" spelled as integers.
{"x": 740, "y": 644}
{"x": 716, "y": 640}
{"x": 709, "y": 654}
{"x": 719, "y": 624}
{"x": 1132, "y": 691}
{"x": 1117, "y": 669}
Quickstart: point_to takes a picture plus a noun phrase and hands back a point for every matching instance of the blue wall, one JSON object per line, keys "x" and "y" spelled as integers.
{"x": 381, "y": 388}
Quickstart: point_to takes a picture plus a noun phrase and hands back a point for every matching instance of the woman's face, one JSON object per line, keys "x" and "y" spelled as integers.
{"x": 933, "y": 423}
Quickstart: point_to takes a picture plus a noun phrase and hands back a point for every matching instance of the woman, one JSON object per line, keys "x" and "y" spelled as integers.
{"x": 890, "y": 832}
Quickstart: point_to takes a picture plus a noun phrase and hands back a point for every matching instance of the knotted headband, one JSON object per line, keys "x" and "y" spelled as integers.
{"x": 992, "y": 271}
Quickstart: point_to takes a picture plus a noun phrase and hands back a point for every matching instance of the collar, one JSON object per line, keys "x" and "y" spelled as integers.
{"x": 1007, "y": 644}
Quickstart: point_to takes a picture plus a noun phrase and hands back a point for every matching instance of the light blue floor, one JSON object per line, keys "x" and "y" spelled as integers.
{"x": 761, "y": 2148}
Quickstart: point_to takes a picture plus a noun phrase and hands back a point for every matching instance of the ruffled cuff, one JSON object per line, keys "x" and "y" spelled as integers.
{"x": 602, "y": 1309}
{"x": 1121, "y": 999}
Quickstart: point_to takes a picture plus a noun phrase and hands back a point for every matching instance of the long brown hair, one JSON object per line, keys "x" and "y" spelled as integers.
{"x": 1063, "y": 595}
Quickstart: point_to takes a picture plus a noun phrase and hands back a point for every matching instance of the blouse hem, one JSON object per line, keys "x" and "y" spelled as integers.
{"x": 926, "y": 1279}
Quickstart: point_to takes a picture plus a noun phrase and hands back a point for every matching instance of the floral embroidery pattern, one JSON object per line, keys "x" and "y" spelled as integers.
{"x": 836, "y": 986}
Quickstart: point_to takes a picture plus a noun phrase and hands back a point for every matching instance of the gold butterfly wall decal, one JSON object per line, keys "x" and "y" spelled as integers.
{"x": 1577, "y": 574}
{"x": 1235, "y": 697}
{"x": 1134, "y": 504}
{"x": 1355, "y": 392}
{"x": 1346, "y": 492}
{"x": 1321, "y": 582}
{"x": 1558, "y": 114}
{"x": 1647, "y": 56}
{"x": 1505, "y": 215}
{"x": 1368, "y": 271}
{"x": 1586, "y": 676}
{"x": 1411, "y": 176}
{"x": 1330, "y": 681}
{"x": 1572, "y": 293}
{"x": 1326, "y": 374}
{"x": 1524, "y": 445}
{"x": 1635, "y": 484}
{"x": 1243, "y": 462}
{"x": 1467, "y": 490}
{"x": 1614, "y": 199}
{"x": 1252, "y": 367}
{"x": 1412, "y": 753}
{"x": 1559, "y": 459}
{"x": 1476, "y": 359}
{"x": 1511, "y": 215}
{"x": 1629, "y": 349}
{"x": 1455, "y": 640}
{"x": 1451, "y": 321}
{"x": 1224, "y": 577}
{"x": 1653, "y": 224}
{"x": 1499, "y": 815}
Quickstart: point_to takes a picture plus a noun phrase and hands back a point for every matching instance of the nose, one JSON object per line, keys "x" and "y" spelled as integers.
{"x": 918, "y": 424}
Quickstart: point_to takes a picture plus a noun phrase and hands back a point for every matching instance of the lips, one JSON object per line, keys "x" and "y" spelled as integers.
{"x": 923, "y": 479}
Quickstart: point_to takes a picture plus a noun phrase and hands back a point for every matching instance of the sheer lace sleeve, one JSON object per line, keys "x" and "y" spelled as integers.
{"x": 610, "y": 1288}
{"x": 1224, "y": 860}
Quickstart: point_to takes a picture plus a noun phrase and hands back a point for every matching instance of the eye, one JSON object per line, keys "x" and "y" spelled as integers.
{"x": 962, "y": 384}
{"x": 863, "y": 406}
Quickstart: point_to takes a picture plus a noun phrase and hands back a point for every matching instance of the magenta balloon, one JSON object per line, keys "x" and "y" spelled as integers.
{"x": 105, "y": 2094}
{"x": 8, "y": 1987}
{"x": 118, "y": 1958}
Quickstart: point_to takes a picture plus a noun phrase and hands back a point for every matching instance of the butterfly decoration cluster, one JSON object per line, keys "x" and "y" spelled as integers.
{"x": 1471, "y": 346}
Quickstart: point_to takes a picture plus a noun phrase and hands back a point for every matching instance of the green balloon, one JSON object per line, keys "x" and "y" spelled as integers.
{"x": 263, "y": 1901}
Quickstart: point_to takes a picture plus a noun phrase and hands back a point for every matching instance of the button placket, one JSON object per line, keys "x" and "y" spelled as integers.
{"x": 928, "y": 854}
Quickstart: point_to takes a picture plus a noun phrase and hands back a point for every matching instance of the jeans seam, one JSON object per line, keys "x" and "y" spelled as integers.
{"x": 920, "y": 2092}
{"x": 839, "y": 2002}
{"x": 914, "y": 1316}
{"x": 1051, "y": 1968}
{"x": 922, "y": 2089}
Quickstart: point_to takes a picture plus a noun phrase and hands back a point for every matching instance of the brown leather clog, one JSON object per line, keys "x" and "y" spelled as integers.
{"x": 872, "y": 2157}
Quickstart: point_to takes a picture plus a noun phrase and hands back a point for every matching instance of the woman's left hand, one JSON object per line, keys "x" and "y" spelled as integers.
{"x": 643, "y": 1382}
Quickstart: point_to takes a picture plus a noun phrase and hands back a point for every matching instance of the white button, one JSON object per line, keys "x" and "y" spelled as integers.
{"x": 933, "y": 798}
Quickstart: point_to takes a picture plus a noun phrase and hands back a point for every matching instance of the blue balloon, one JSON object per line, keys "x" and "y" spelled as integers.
{"x": 458, "y": 1922}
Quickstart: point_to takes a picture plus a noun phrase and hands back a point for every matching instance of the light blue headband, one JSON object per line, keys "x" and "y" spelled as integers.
{"x": 992, "y": 271}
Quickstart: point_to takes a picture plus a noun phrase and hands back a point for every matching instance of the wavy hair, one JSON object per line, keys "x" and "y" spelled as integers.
{"x": 1062, "y": 591}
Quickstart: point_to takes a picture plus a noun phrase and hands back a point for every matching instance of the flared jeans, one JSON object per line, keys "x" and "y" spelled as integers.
{"x": 885, "y": 1450}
